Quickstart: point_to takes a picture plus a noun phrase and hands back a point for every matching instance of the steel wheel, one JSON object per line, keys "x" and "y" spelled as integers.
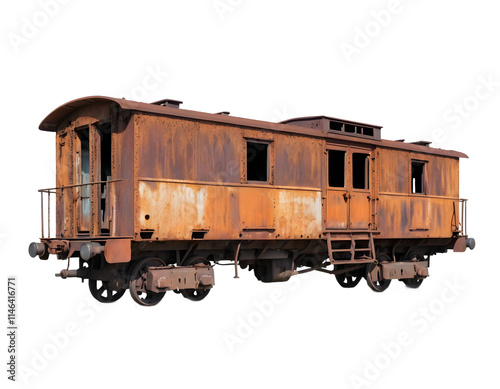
{"x": 137, "y": 283}
{"x": 374, "y": 274}
{"x": 348, "y": 279}
{"x": 103, "y": 292}
{"x": 195, "y": 294}
{"x": 413, "y": 283}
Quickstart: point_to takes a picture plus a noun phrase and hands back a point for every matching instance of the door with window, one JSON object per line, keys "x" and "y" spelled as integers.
{"x": 348, "y": 188}
{"x": 82, "y": 165}
{"x": 92, "y": 173}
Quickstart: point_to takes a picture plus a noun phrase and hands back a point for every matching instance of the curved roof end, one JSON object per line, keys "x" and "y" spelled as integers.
{"x": 53, "y": 119}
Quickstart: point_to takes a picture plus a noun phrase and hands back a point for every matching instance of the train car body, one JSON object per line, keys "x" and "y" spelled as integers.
{"x": 150, "y": 196}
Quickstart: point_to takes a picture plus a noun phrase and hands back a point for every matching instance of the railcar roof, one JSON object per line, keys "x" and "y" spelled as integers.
{"x": 329, "y": 118}
{"x": 52, "y": 121}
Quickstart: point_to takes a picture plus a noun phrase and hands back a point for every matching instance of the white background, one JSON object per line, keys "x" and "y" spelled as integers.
{"x": 419, "y": 73}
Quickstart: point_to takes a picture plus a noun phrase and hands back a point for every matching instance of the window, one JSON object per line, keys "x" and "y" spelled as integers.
{"x": 417, "y": 177}
{"x": 360, "y": 171}
{"x": 104, "y": 132}
{"x": 257, "y": 161}
{"x": 350, "y": 128}
{"x": 336, "y": 168}
{"x": 83, "y": 177}
{"x": 335, "y": 126}
{"x": 368, "y": 131}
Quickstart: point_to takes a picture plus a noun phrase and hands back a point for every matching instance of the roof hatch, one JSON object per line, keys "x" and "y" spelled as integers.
{"x": 333, "y": 125}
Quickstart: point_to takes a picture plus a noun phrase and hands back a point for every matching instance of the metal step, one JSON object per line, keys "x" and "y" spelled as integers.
{"x": 353, "y": 250}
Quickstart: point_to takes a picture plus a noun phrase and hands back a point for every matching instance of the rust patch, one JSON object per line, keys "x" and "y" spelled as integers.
{"x": 118, "y": 250}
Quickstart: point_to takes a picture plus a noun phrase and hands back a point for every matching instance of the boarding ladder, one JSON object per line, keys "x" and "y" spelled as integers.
{"x": 355, "y": 237}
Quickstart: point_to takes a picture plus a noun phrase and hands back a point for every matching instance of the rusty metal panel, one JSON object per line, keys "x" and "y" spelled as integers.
{"x": 441, "y": 173}
{"x": 165, "y": 147}
{"x": 257, "y": 207}
{"x": 395, "y": 173}
{"x": 217, "y": 154}
{"x": 298, "y": 161}
{"x": 359, "y": 210}
{"x": 442, "y": 176}
{"x": 298, "y": 214}
{"x": 441, "y": 216}
{"x": 415, "y": 217}
{"x": 118, "y": 250}
{"x": 393, "y": 216}
{"x": 122, "y": 193}
{"x": 337, "y": 213}
{"x": 172, "y": 210}
{"x": 225, "y": 211}
{"x": 419, "y": 213}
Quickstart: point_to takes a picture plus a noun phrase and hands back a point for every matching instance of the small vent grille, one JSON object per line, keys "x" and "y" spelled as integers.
{"x": 337, "y": 126}
{"x": 351, "y": 128}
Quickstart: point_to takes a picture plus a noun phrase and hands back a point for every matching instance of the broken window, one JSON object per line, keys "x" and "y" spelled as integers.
{"x": 83, "y": 174}
{"x": 104, "y": 131}
{"x": 360, "y": 171}
{"x": 336, "y": 168}
{"x": 257, "y": 161}
{"x": 417, "y": 177}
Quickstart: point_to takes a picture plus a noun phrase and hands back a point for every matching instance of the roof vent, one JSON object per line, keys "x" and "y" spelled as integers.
{"x": 337, "y": 126}
{"x": 223, "y": 113}
{"x": 168, "y": 103}
{"x": 421, "y": 143}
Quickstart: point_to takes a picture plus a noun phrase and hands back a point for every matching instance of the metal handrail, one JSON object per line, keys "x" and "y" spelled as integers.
{"x": 460, "y": 227}
{"x": 77, "y": 185}
{"x": 54, "y": 190}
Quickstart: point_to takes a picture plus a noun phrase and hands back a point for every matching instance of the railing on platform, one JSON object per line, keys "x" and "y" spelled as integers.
{"x": 459, "y": 220}
{"x": 54, "y": 191}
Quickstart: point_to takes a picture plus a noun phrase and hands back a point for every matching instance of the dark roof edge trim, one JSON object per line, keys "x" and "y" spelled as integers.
{"x": 51, "y": 122}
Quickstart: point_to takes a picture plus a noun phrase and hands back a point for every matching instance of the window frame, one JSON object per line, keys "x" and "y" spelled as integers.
{"x": 423, "y": 163}
{"x": 366, "y": 169}
{"x": 83, "y": 226}
{"x": 345, "y": 173}
{"x": 269, "y": 164}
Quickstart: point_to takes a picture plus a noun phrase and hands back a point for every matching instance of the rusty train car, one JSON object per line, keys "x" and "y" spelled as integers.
{"x": 149, "y": 197}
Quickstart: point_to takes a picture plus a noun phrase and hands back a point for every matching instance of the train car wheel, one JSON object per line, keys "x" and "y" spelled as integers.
{"x": 348, "y": 279}
{"x": 103, "y": 292}
{"x": 137, "y": 284}
{"x": 195, "y": 294}
{"x": 413, "y": 282}
{"x": 374, "y": 275}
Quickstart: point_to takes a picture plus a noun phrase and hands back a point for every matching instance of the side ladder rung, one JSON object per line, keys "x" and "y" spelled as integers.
{"x": 352, "y": 250}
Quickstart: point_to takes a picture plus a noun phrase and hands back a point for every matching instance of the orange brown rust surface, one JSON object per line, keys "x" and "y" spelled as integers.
{"x": 154, "y": 185}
